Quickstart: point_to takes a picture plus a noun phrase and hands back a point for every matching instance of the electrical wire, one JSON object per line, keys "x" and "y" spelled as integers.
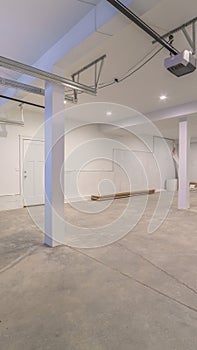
{"x": 132, "y": 70}
{"x": 142, "y": 65}
{"x": 134, "y": 66}
{"x": 112, "y": 82}
{"x": 125, "y": 75}
{"x": 118, "y": 80}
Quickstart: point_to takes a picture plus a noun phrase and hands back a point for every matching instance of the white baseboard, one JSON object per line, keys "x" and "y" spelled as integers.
{"x": 76, "y": 199}
{"x": 11, "y": 202}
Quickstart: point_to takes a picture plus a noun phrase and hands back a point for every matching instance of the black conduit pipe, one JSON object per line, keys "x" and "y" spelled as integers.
{"x": 134, "y": 18}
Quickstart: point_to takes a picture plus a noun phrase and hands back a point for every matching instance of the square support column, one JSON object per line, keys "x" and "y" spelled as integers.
{"x": 184, "y": 150}
{"x": 54, "y": 165}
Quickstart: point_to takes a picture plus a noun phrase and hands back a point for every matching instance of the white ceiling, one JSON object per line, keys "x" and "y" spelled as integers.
{"x": 41, "y": 23}
{"x": 29, "y": 28}
{"x": 170, "y": 127}
{"x": 126, "y": 48}
{"x": 142, "y": 90}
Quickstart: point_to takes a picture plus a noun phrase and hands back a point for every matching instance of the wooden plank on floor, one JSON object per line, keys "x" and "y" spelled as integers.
{"x": 121, "y": 195}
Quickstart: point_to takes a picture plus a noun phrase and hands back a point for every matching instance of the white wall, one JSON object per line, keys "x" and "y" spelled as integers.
{"x": 89, "y": 162}
{"x": 150, "y": 162}
{"x": 10, "y": 149}
{"x": 127, "y": 163}
{"x": 193, "y": 162}
{"x": 96, "y": 162}
{"x": 163, "y": 155}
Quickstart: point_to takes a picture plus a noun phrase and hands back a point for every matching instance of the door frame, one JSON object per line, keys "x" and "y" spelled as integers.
{"x": 22, "y": 139}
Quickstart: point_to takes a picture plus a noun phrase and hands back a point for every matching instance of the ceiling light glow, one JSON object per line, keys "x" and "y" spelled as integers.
{"x": 163, "y": 97}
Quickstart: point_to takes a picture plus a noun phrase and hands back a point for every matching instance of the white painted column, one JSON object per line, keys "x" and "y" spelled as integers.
{"x": 184, "y": 150}
{"x": 54, "y": 165}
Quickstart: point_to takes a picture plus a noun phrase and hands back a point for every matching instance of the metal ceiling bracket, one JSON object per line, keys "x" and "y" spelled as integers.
{"x": 70, "y": 98}
{"x": 191, "y": 40}
{"x": 12, "y": 122}
{"x": 98, "y": 65}
{"x": 43, "y": 75}
{"x": 89, "y": 65}
{"x": 17, "y": 85}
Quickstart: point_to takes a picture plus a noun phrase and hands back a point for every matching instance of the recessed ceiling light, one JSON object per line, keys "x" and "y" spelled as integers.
{"x": 109, "y": 113}
{"x": 163, "y": 97}
{"x": 65, "y": 102}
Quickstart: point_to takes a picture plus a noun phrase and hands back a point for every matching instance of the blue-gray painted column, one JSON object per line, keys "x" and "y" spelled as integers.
{"x": 54, "y": 165}
{"x": 184, "y": 150}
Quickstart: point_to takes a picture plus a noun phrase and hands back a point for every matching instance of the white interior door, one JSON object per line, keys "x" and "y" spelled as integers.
{"x": 33, "y": 172}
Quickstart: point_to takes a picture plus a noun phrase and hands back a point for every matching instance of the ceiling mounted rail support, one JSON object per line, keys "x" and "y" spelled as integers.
{"x": 43, "y": 75}
{"x": 14, "y": 122}
{"x": 11, "y": 122}
{"x": 98, "y": 65}
{"x": 134, "y": 18}
{"x": 21, "y": 101}
{"x": 70, "y": 98}
{"x": 191, "y": 40}
{"x": 91, "y": 64}
{"x": 17, "y": 85}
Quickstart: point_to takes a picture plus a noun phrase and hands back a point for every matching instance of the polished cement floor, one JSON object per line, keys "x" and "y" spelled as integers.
{"x": 139, "y": 292}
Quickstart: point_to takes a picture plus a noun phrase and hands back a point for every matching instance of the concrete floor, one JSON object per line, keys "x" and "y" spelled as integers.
{"x": 139, "y": 293}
